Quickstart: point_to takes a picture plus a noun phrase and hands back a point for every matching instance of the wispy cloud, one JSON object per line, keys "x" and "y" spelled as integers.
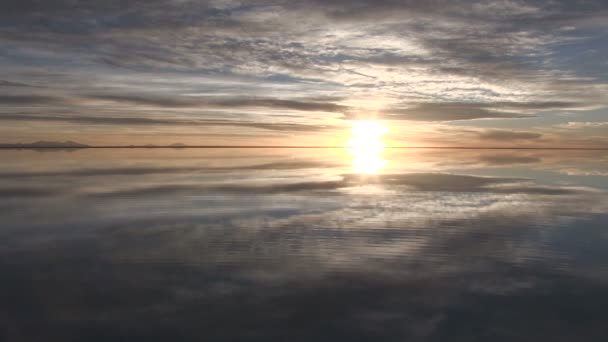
{"x": 579, "y": 125}
{"x": 433, "y": 62}
{"x": 421, "y": 182}
{"x": 4, "y": 83}
{"x": 499, "y": 135}
{"x": 135, "y": 121}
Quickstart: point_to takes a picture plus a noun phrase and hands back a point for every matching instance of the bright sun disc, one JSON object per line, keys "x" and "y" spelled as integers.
{"x": 366, "y": 134}
{"x": 365, "y": 146}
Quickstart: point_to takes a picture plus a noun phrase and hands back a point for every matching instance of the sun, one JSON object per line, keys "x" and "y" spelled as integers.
{"x": 367, "y": 134}
{"x": 366, "y": 146}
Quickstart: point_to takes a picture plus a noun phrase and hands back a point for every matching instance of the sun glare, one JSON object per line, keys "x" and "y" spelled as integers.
{"x": 366, "y": 146}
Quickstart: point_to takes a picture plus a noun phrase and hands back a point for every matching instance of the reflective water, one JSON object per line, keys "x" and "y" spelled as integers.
{"x": 303, "y": 245}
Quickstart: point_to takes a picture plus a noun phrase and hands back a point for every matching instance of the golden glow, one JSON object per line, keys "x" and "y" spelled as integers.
{"x": 366, "y": 134}
{"x": 366, "y": 147}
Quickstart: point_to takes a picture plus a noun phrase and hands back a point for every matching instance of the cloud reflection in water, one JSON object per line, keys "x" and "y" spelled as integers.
{"x": 290, "y": 244}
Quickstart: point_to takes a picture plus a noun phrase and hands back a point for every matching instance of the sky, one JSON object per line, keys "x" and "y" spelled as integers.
{"x": 435, "y": 73}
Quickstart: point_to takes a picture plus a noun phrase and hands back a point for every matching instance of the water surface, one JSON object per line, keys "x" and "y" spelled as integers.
{"x": 303, "y": 245}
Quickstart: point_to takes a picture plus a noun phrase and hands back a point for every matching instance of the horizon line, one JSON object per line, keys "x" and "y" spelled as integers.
{"x": 30, "y": 147}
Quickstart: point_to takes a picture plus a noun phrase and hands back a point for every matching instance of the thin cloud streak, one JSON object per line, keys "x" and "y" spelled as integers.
{"x": 133, "y": 121}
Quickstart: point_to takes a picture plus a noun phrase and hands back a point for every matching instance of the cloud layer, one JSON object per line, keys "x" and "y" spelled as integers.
{"x": 315, "y": 63}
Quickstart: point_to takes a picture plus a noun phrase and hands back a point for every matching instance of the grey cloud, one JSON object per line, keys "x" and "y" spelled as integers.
{"x": 30, "y": 100}
{"x": 448, "y": 112}
{"x": 533, "y": 105}
{"x": 494, "y": 135}
{"x": 174, "y": 16}
{"x": 273, "y": 126}
{"x": 480, "y": 11}
{"x": 108, "y": 14}
{"x": 170, "y": 102}
{"x": 505, "y": 47}
{"x": 94, "y": 120}
{"x": 12, "y": 192}
{"x": 151, "y": 191}
{"x": 502, "y": 135}
{"x": 107, "y": 120}
{"x": 192, "y": 102}
{"x": 289, "y": 52}
{"x": 196, "y": 102}
{"x": 4, "y": 83}
{"x": 289, "y": 104}
{"x": 454, "y": 111}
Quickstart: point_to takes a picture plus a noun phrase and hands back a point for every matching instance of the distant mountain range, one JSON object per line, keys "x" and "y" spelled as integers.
{"x": 46, "y": 144}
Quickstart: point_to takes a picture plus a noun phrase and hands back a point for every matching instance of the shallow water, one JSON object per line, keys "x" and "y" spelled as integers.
{"x": 303, "y": 245}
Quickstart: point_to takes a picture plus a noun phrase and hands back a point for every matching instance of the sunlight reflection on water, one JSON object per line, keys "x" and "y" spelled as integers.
{"x": 222, "y": 245}
{"x": 367, "y": 160}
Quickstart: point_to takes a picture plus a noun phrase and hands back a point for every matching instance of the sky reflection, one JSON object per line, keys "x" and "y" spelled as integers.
{"x": 367, "y": 160}
{"x": 276, "y": 244}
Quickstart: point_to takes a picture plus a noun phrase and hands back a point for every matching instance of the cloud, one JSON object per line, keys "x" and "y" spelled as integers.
{"x": 448, "y": 112}
{"x": 4, "y": 83}
{"x": 197, "y": 102}
{"x": 454, "y": 111}
{"x": 17, "y": 192}
{"x": 431, "y": 62}
{"x": 191, "y": 102}
{"x": 502, "y": 135}
{"x": 580, "y": 125}
{"x": 30, "y": 100}
{"x": 138, "y": 121}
